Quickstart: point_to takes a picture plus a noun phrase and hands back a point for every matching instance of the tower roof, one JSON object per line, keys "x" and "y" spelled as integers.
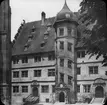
{"x": 65, "y": 14}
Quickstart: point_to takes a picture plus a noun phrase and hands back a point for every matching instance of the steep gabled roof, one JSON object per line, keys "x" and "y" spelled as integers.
{"x": 25, "y": 45}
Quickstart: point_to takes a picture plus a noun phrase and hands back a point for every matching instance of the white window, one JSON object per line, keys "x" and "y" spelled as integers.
{"x": 61, "y": 31}
{"x": 37, "y": 73}
{"x": 45, "y": 89}
{"x": 86, "y": 88}
{"x": 25, "y": 73}
{"x": 24, "y": 89}
{"x": 93, "y": 69}
{"x": 15, "y": 74}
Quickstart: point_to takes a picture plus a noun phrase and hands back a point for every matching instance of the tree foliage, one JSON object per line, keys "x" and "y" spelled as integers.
{"x": 94, "y": 32}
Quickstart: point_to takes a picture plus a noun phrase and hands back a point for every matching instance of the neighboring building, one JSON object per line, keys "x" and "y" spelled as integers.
{"x": 5, "y": 52}
{"x": 49, "y": 64}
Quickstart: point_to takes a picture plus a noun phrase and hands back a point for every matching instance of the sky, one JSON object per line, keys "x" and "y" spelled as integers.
{"x": 30, "y": 10}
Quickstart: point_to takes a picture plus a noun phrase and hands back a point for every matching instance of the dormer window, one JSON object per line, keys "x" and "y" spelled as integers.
{"x": 46, "y": 34}
{"x": 61, "y": 31}
{"x": 42, "y": 44}
{"x": 26, "y": 46}
{"x": 33, "y": 29}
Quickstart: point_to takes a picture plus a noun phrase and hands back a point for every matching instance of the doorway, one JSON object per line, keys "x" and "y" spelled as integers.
{"x": 35, "y": 91}
{"x": 61, "y": 97}
{"x": 99, "y": 92}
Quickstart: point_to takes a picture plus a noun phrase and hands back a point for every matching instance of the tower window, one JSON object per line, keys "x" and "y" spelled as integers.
{"x": 78, "y": 70}
{"x": 93, "y": 70}
{"x": 61, "y": 77}
{"x": 61, "y": 31}
{"x": 61, "y": 45}
{"x": 62, "y": 62}
{"x": 69, "y": 64}
{"x": 37, "y": 73}
{"x": 69, "y": 79}
{"x": 69, "y": 46}
{"x": 69, "y": 31}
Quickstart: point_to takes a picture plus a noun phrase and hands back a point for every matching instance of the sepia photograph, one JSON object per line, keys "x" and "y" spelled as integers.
{"x": 53, "y": 52}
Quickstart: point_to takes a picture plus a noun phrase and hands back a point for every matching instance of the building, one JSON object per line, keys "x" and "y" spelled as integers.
{"x": 5, "y": 52}
{"x": 49, "y": 64}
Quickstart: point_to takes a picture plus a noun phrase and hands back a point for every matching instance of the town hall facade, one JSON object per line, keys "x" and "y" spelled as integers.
{"x": 50, "y": 65}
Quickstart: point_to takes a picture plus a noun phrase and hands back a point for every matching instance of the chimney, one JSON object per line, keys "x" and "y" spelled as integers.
{"x": 43, "y": 15}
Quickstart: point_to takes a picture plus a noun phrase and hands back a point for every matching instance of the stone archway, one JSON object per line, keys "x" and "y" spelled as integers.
{"x": 61, "y": 97}
{"x": 99, "y": 92}
{"x": 35, "y": 91}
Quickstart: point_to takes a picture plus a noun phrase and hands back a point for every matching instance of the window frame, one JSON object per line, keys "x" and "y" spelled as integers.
{"x": 61, "y": 31}
{"x": 78, "y": 88}
{"x": 24, "y": 89}
{"x": 23, "y": 75}
{"x": 61, "y": 62}
{"x": 61, "y": 77}
{"x": 69, "y": 80}
{"x": 44, "y": 88}
{"x": 81, "y": 54}
{"x": 61, "y": 45}
{"x": 51, "y": 57}
{"x": 78, "y": 70}
{"x": 37, "y": 73}
{"x": 24, "y": 59}
{"x": 69, "y": 46}
{"x": 53, "y": 88}
{"x": 37, "y": 58}
{"x": 15, "y": 74}
{"x": 51, "y": 72}
{"x": 92, "y": 70}
{"x": 69, "y": 63}
{"x": 87, "y": 88}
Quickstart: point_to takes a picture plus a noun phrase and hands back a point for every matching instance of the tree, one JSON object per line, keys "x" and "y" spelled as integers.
{"x": 94, "y": 28}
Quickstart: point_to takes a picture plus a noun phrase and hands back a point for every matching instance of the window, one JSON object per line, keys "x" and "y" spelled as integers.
{"x": 51, "y": 72}
{"x": 45, "y": 89}
{"x": 69, "y": 31}
{"x": 61, "y": 45}
{"x": 24, "y": 89}
{"x": 62, "y": 62}
{"x": 80, "y": 54}
{"x": 78, "y": 70}
{"x": 15, "y": 89}
{"x": 61, "y": 77}
{"x": 61, "y": 31}
{"x": 69, "y": 46}
{"x": 15, "y": 74}
{"x": 25, "y": 73}
{"x": 53, "y": 88}
{"x": 69, "y": 79}
{"x": 78, "y": 88}
{"x": 37, "y": 59}
{"x": 15, "y": 61}
{"x": 105, "y": 72}
{"x": 69, "y": 64}
{"x": 37, "y": 73}
{"x": 51, "y": 57}
{"x": 86, "y": 88}
{"x": 93, "y": 70}
{"x": 24, "y": 60}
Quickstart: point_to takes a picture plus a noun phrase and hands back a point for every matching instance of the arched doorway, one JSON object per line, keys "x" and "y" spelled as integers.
{"x": 35, "y": 91}
{"x": 61, "y": 97}
{"x": 99, "y": 92}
